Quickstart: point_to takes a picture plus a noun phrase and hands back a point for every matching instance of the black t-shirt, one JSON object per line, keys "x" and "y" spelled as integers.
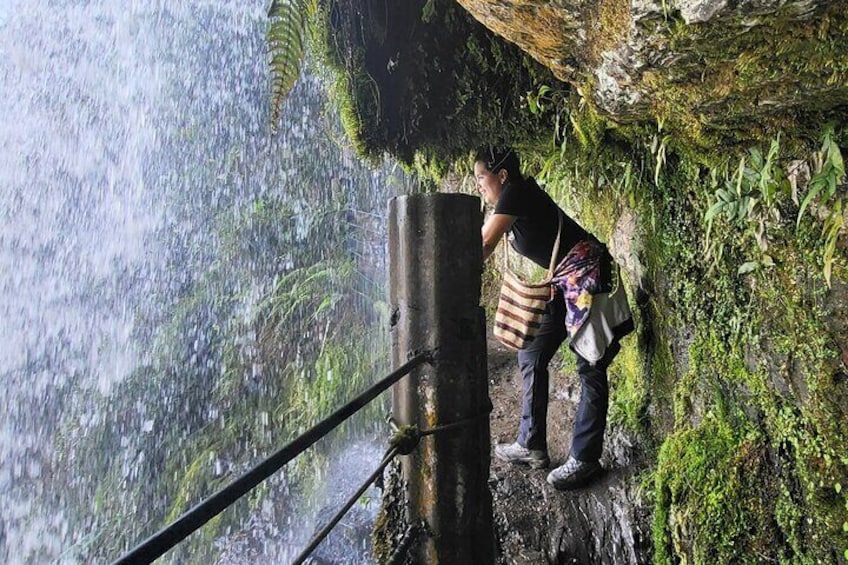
{"x": 536, "y": 223}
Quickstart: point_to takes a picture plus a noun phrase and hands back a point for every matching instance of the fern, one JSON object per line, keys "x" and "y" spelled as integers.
{"x": 829, "y": 173}
{"x": 287, "y": 32}
{"x": 749, "y": 203}
{"x": 833, "y": 227}
{"x": 824, "y": 182}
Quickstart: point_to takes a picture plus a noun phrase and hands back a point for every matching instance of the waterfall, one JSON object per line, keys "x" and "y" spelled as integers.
{"x": 147, "y": 213}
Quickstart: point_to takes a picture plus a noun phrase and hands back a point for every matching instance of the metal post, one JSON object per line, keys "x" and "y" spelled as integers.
{"x": 435, "y": 264}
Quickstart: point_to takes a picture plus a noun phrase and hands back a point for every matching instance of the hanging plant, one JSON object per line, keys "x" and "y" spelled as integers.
{"x": 288, "y": 29}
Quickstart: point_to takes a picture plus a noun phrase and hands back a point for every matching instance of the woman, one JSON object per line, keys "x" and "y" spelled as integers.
{"x": 581, "y": 308}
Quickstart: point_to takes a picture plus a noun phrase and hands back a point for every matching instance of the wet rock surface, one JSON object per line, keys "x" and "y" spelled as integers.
{"x": 678, "y": 60}
{"x": 606, "y": 522}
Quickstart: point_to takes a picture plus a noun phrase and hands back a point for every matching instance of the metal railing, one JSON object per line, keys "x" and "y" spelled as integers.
{"x": 164, "y": 540}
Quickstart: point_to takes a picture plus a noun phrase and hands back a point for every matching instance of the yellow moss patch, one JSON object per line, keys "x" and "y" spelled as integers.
{"x": 608, "y": 26}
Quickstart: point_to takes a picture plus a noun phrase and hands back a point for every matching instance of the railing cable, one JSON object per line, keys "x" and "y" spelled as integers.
{"x": 316, "y": 541}
{"x": 156, "y": 546}
{"x": 403, "y": 442}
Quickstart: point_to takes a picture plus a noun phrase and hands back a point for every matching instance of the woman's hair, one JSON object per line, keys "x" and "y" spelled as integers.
{"x": 497, "y": 158}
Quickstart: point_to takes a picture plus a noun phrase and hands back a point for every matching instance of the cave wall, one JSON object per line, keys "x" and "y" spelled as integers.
{"x": 703, "y": 142}
{"x": 422, "y": 81}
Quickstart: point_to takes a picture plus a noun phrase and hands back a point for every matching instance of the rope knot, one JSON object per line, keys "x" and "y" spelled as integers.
{"x": 405, "y": 439}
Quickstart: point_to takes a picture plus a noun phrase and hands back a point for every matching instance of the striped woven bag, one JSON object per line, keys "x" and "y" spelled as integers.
{"x": 521, "y": 305}
{"x": 520, "y": 310}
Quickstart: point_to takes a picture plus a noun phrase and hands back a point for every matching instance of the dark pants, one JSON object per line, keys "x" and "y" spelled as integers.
{"x": 591, "y": 419}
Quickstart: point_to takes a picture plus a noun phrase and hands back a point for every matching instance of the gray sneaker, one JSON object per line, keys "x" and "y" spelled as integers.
{"x": 573, "y": 474}
{"x": 514, "y": 453}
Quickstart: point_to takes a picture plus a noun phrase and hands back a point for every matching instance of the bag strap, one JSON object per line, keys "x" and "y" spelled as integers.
{"x": 554, "y": 253}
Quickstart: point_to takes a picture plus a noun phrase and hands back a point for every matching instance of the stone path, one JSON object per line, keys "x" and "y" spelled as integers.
{"x": 606, "y": 522}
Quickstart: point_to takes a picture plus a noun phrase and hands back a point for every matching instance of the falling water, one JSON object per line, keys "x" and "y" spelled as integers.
{"x": 135, "y": 148}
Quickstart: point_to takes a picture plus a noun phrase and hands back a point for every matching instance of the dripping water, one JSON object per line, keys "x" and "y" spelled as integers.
{"x": 147, "y": 213}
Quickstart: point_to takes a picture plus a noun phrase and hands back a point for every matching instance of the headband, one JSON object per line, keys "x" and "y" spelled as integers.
{"x": 501, "y": 162}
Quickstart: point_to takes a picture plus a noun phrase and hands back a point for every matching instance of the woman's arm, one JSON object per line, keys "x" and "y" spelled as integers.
{"x": 493, "y": 231}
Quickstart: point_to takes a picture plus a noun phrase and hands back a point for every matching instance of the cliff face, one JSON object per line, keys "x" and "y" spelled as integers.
{"x": 423, "y": 81}
{"x": 703, "y": 142}
{"x": 700, "y": 67}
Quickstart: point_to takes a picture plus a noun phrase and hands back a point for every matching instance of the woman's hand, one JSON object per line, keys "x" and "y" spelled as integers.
{"x": 493, "y": 230}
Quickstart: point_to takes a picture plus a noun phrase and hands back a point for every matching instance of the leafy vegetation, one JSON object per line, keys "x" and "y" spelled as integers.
{"x": 745, "y": 449}
{"x": 262, "y": 338}
{"x": 732, "y": 384}
{"x": 748, "y": 202}
{"x": 289, "y": 24}
{"x": 735, "y": 383}
{"x": 234, "y": 380}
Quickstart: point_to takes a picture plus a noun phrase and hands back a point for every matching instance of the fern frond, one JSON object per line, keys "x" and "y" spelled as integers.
{"x": 288, "y": 26}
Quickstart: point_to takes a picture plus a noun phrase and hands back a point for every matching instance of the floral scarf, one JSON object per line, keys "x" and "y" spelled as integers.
{"x": 578, "y": 276}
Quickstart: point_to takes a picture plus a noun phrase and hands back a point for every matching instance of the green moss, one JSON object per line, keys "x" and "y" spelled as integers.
{"x": 708, "y": 507}
{"x": 760, "y": 358}
{"x": 805, "y": 418}
{"x": 732, "y": 375}
{"x": 629, "y": 395}
{"x": 727, "y": 75}
{"x": 731, "y": 383}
